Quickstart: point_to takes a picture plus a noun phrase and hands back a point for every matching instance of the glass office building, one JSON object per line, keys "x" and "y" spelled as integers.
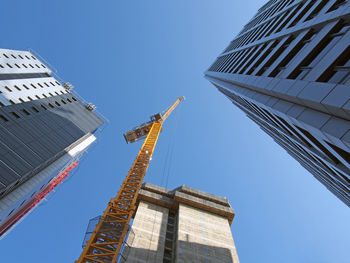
{"x": 288, "y": 69}
{"x": 44, "y": 130}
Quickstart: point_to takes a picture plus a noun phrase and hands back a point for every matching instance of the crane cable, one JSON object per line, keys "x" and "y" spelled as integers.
{"x": 165, "y": 165}
{"x": 169, "y": 155}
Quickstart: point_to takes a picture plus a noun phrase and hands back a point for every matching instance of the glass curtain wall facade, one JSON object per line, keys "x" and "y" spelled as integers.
{"x": 44, "y": 129}
{"x": 288, "y": 69}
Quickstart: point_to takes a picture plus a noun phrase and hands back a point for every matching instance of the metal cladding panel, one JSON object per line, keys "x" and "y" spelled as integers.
{"x": 35, "y": 133}
{"x": 6, "y": 175}
{"x": 15, "y": 204}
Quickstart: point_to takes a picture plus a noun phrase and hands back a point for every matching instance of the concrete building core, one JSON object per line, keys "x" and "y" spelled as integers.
{"x": 180, "y": 225}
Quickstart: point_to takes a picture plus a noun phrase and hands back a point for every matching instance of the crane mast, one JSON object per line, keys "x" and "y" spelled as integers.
{"x": 106, "y": 240}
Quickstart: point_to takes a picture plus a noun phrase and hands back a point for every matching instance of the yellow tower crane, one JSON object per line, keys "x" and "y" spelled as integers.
{"x": 107, "y": 239}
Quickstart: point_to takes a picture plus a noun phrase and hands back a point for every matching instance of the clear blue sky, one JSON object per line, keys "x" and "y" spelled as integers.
{"x": 133, "y": 59}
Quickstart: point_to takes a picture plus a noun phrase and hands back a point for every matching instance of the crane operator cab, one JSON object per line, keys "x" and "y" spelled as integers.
{"x": 142, "y": 130}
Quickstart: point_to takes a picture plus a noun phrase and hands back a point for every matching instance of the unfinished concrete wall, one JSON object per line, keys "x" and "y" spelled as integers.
{"x": 203, "y": 237}
{"x": 147, "y": 236}
{"x": 181, "y": 225}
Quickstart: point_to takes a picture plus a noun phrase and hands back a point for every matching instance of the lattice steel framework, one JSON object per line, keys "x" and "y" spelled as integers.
{"x": 106, "y": 241}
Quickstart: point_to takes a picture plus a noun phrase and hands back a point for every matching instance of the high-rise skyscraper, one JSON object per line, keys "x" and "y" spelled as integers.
{"x": 44, "y": 130}
{"x": 180, "y": 225}
{"x": 289, "y": 71}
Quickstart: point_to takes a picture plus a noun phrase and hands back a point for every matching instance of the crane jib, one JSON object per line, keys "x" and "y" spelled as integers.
{"x": 107, "y": 239}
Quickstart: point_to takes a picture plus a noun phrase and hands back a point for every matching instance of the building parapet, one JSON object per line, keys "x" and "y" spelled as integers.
{"x": 186, "y": 195}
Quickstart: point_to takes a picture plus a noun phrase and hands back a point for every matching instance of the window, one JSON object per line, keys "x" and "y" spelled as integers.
{"x": 37, "y": 97}
{"x": 13, "y": 56}
{"x": 50, "y": 105}
{"x": 44, "y": 95}
{"x": 14, "y": 114}
{"x": 20, "y": 56}
{"x": 318, "y": 53}
{"x": 17, "y": 66}
{"x": 336, "y": 5}
{"x": 50, "y": 94}
{"x": 25, "y": 86}
{"x": 69, "y": 100}
{"x": 302, "y": 13}
{"x": 57, "y": 103}
{"x": 58, "y": 83}
{"x": 37, "y": 65}
{"x": 1, "y": 66}
{"x": 339, "y": 71}
{"x": 169, "y": 238}
{"x": 319, "y": 145}
{"x": 278, "y": 21}
{"x": 52, "y": 84}
{"x": 27, "y": 57}
{"x": 235, "y": 61}
{"x": 315, "y": 12}
{"x": 33, "y": 57}
{"x": 35, "y": 109}
{"x": 63, "y": 102}
{"x": 46, "y": 84}
{"x": 29, "y": 98}
{"x": 42, "y": 106}
{"x": 262, "y": 57}
{"x": 25, "y": 111}
{"x": 21, "y": 100}
{"x": 17, "y": 87}
{"x": 12, "y": 102}
{"x": 41, "y": 86}
{"x": 7, "y": 88}
{"x": 33, "y": 85}
{"x": 3, "y": 118}
{"x": 345, "y": 155}
{"x": 43, "y": 65}
{"x": 57, "y": 93}
{"x": 74, "y": 99}
{"x": 304, "y": 67}
{"x": 2, "y": 104}
{"x": 24, "y": 65}
{"x": 5, "y": 56}
{"x": 11, "y": 212}
{"x": 275, "y": 55}
{"x": 31, "y": 65}
{"x": 22, "y": 203}
{"x": 8, "y": 65}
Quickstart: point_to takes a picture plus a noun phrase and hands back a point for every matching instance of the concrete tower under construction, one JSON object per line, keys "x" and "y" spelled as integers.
{"x": 180, "y": 225}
